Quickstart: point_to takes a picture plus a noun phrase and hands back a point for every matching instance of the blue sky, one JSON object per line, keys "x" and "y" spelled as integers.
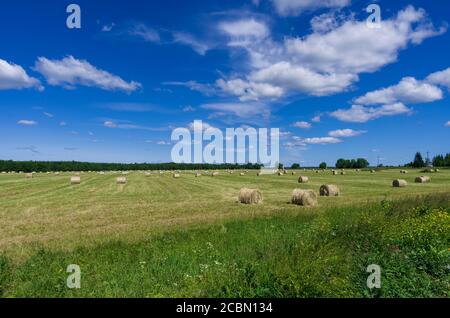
{"x": 114, "y": 90}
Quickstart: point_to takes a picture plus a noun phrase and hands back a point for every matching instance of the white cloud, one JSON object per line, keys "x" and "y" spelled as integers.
{"x": 316, "y": 119}
{"x": 13, "y": 76}
{"x": 354, "y": 48}
{"x": 244, "y": 30}
{"x": 302, "y": 125}
{"x": 25, "y": 122}
{"x": 299, "y": 141}
{"x": 362, "y": 114}
{"x": 346, "y": 133}
{"x": 296, "y": 7}
{"x": 70, "y": 72}
{"x": 408, "y": 91}
{"x": 188, "y": 109}
{"x": 325, "y": 62}
{"x": 108, "y": 27}
{"x": 110, "y": 124}
{"x": 145, "y": 33}
{"x": 187, "y": 39}
{"x": 63, "y": 123}
{"x": 249, "y": 90}
{"x": 447, "y": 124}
{"x": 48, "y": 115}
{"x": 205, "y": 89}
{"x": 440, "y": 78}
{"x": 303, "y": 80}
{"x": 199, "y": 125}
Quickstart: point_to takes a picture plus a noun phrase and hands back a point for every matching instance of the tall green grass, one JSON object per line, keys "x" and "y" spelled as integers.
{"x": 323, "y": 253}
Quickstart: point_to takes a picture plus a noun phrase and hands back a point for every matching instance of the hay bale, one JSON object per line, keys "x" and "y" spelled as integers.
{"x": 215, "y": 174}
{"x": 399, "y": 183}
{"x": 242, "y": 174}
{"x": 75, "y": 180}
{"x": 280, "y": 173}
{"x": 294, "y": 173}
{"x": 259, "y": 174}
{"x": 176, "y": 175}
{"x": 343, "y": 173}
{"x": 334, "y": 172}
{"x": 250, "y": 196}
{"x": 303, "y": 179}
{"x": 198, "y": 175}
{"x": 329, "y": 190}
{"x": 29, "y": 175}
{"x": 423, "y": 179}
{"x": 121, "y": 180}
{"x": 304, "y": 197}
{"x": 76, "y": 174}
{"x": 372, "y": 171}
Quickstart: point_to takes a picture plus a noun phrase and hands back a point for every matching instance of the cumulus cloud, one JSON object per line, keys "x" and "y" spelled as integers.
{"x": 441, "y": 78}
{"x": 447, "y": 124}
{"x": 296, "y": 7}
{"x": 362, "y": 114}
{"x": 302, "y": 125}
{"x": 244, "y": 30}
{"x": 71, "y": 72}
{"x": 346, "y": 133}
{"x": 13, "y": 76}
{"x": 26, "y": 122}
{"x": 247, "y": 90}
{"x": 327, "y": 61}
{"x": 408, "y": 91}
{"x": 299, "y": 141}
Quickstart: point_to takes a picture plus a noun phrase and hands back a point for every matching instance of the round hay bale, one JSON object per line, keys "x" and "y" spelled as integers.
{"x": 399, "y": 183}
{"x": 242, "y": 174}
{"x": 76, "y": 174}
{"x": 343, "y": 173}
{"x": 280, "y": 173}
{"x": 436, "y": 170}
{"x": 372, "y": 171}
{"x": 259, "y": 174}
{"x": 329, "y": 190}
{"x": 334, "y": 173}
{"x": 75, "y": 180}
{"x": 176, "y": 175}
{"x": 303, "y": 179}
{"x": 250, "y": 196}
{"x": 215, "y": 174}
{"x": 29, "y": 175}
{"x": 294, "y": 173}
{"x": 121, "y": 180}
{"x": 423, "y": 179}
{"x": 304, "y": 197}
{"x": 198, "y": 175}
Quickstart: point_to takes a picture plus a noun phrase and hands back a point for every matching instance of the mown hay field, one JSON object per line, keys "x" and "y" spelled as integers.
{"x": 160, "y": 236}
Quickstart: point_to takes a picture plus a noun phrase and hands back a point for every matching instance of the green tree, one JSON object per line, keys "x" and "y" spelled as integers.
{"x": 418, "y": 161}
{"x": 323, "y": 165}
{"x": 295, "y": 166}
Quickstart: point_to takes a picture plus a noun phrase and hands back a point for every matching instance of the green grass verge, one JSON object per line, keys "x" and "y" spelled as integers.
{"x": 324, "y": 253}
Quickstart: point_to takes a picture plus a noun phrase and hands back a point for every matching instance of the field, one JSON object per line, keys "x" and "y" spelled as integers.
{"x": 158, "y": 236}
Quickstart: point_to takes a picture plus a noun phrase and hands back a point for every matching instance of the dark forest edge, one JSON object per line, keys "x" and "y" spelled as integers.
{"x": 51, "y": 166}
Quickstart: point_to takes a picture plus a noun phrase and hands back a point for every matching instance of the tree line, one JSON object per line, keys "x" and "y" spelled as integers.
{"x": 438, "y": 161}
{"x": 52, "y": 166}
